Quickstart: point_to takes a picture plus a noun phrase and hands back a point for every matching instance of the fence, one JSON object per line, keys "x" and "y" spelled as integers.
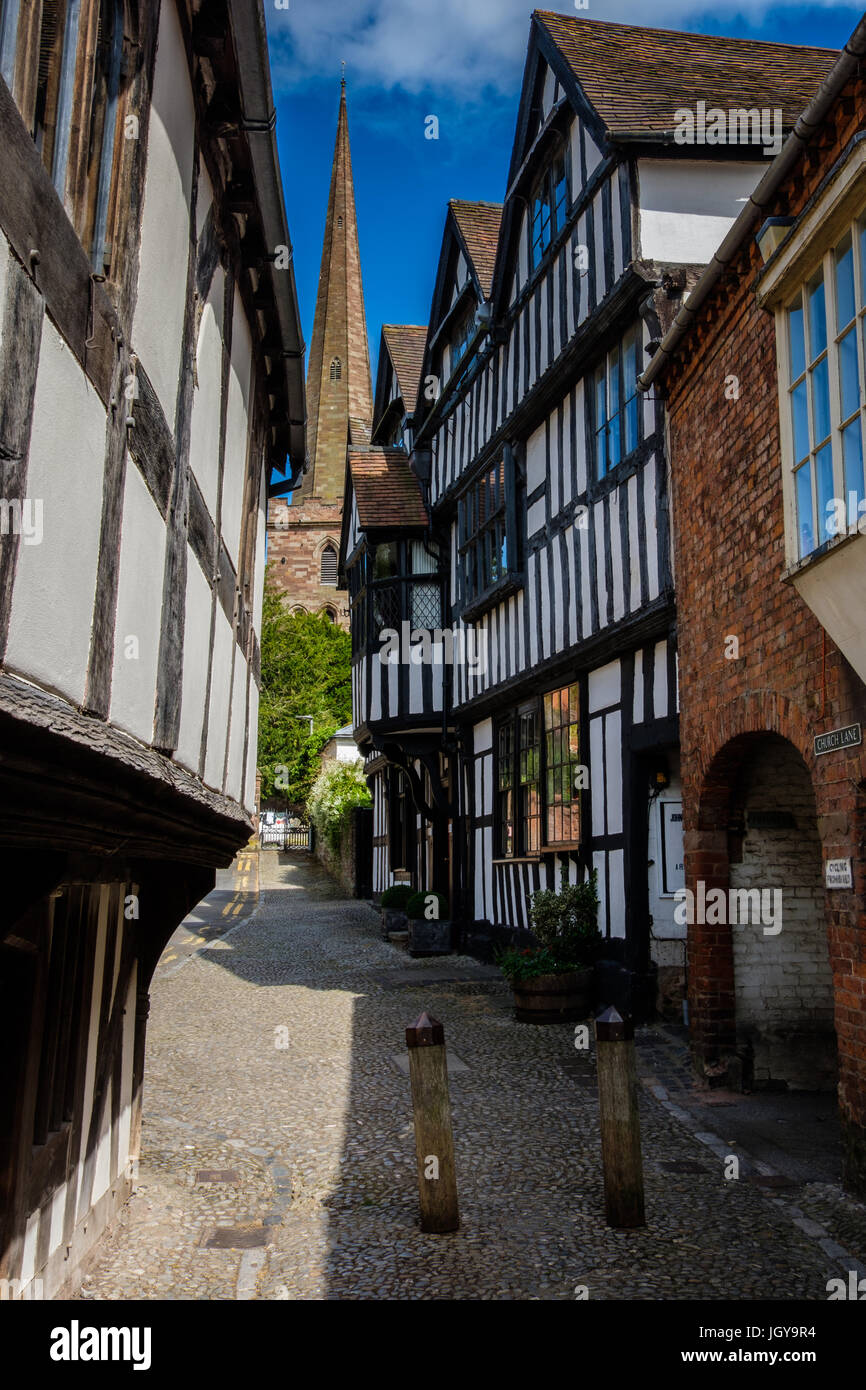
{"x": 287, "y": 836}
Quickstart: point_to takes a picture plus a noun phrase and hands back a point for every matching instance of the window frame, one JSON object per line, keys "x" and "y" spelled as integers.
{"x": 630, "y": 340}
{"x": 546, "y": 189}
{"x": 504, "y": 522}
{"x": 399, "y": 589}
{"x": 827, "y": 268}
{"x": 510, "y": 729}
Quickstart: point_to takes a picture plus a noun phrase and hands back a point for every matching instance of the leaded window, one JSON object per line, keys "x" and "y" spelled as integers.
{"x": 562, "y": 765}
{"x": 489, "y": 531}
{"x": 538, "y": 775}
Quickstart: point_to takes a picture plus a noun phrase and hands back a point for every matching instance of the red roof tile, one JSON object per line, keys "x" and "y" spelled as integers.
{"x": 387, "y": 492}
{"x": 479, "y": 226}
{"x": 406, "y": 343}
{"x": 637, "y": 78}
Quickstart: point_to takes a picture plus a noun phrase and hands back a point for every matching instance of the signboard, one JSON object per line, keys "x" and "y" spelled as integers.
{"x": 837, "y": 873}
{"x": 673, "y": 875}
{"x": 848, "y": 737}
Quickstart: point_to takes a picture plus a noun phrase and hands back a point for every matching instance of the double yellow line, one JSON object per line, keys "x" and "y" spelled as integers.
{"x": 243, "y": 872}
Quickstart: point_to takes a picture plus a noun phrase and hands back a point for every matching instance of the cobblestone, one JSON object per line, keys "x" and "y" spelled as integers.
{"x": 316, "y": 1123}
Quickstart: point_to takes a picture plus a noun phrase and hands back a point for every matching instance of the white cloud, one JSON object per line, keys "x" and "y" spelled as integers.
{"x": 456, "y": 46}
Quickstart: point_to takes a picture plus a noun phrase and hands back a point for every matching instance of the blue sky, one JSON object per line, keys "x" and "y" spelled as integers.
{"x": 461, "y": 60}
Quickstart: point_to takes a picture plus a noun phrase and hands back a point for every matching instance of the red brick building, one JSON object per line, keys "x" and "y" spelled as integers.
{"x": 304, "y": 530}
{"x": 763, "y": 372}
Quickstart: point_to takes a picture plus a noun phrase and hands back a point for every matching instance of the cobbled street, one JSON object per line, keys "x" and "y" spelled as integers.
{"x": 278, "y": 1150}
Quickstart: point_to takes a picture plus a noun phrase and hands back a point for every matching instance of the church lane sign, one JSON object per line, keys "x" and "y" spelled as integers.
{"x": 831, "y": 742}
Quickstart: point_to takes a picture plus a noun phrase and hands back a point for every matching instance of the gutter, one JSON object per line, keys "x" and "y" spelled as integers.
{"x": 806, "y": 124}
{"x": 259, "y": 125}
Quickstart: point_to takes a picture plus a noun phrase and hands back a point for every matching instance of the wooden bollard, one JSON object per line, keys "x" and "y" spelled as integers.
{"x": 434, "y": 1142}
{"x": 618, "y": 1116}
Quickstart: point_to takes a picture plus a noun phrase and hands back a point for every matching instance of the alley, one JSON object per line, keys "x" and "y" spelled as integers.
{"x": 278, "y": 1153}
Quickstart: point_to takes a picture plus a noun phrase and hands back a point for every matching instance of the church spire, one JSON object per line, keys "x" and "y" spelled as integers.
{"x": 339, "y": 389}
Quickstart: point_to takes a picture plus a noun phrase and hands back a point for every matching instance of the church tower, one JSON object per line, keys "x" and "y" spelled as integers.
{"x": 304, "y": 532}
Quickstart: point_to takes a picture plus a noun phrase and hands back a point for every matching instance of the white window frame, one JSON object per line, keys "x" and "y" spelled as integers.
{"x": 811, "y": 246}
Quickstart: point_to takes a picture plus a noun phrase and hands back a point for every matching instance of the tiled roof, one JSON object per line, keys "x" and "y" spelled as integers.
{"x": 479, "y": 226}
{"x": 359, "y": 431}
{"x": 406, "y": 342}
{"x": 637, "y": 78}
{"x": 386, "y": 490}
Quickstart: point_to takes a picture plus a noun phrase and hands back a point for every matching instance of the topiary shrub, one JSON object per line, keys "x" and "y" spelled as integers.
{"x": 420, "y": 907}
{"x": 396, "y": 897}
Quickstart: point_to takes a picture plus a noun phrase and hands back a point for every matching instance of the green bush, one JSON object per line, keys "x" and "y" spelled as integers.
{"x": 418, "y": 907}
{"x": 338, "y": 788}
{"x": 566, "y": 923}
{"x": 397, "y": 896}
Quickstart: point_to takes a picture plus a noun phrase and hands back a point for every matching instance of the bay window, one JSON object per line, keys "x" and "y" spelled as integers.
{"x": 391, "y": 583}
{"x": 825, "y": 324}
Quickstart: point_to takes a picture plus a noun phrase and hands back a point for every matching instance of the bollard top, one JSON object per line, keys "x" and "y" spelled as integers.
{"x": 610, "y": 1026}
{"x": 426, "y": 1031}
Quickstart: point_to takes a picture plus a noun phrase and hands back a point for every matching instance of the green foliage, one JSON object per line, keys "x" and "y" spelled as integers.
{"x": 338, "y": 787}
{"x": 528, "y": 964}
{"x": 306, "y": 670}
{"x": 566, "y": 926}
{"x": 566, "y": 923}
{"x": 417, "y": 907}
{"x": 397, "y": 896}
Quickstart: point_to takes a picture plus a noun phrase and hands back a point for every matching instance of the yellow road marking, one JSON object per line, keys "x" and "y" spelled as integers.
{"x": 237, "y": 909}
{"x": 171, "y": 957}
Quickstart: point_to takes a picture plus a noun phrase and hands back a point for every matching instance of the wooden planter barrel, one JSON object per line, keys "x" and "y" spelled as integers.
{"x": 554, "y": 998}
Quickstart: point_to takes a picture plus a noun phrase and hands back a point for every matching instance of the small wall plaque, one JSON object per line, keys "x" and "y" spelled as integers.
{"x": 837, "y": 873}
{"x": 831, "y": 742}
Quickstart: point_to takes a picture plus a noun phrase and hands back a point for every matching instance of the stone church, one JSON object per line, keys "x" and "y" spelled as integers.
{"x": 304, "y": 529}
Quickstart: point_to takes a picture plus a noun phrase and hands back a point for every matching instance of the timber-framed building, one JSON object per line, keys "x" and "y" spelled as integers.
{"x": 151, "y": 382}
{"x": 547, "y": 742}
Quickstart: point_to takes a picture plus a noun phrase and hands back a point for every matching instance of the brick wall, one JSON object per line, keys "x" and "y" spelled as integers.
{"x": 788, "y": 679}
{"x": 296, "y": 537}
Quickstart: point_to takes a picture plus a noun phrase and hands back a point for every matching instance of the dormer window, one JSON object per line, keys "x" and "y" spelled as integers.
{"x": 548, "y": 210}
{"x": 336, "y": 369}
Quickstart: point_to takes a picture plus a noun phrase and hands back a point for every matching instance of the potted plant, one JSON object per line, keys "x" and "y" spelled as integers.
{"x": 552, "y": 981}
{"x": 393, "y": 905}
{"x": 429, "y": 924}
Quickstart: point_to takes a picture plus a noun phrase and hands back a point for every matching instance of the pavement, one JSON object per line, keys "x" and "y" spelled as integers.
{"x": 278, "y": 1155}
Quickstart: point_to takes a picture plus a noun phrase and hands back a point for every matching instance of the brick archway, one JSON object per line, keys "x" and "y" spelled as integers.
{"x": 717, "y": 755}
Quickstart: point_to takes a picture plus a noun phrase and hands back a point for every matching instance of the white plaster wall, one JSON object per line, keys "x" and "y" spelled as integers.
{"x": 261, "y": 534}
{"x": 235, "y": 771}
{"x": 55, "y": 581}
{"x": 687, "y": 206}
{"x": 196, "y": 644}
{"x": 157, "y": 328}
{"x": 234, "y": 468}
{"x": 250, "y": 780}
{"x": 220, "y": 700}
{"x": 139, "y": 609}
{"x": 205, "y": 426}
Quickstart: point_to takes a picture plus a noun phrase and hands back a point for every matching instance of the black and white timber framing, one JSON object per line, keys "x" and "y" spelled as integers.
{"x": 151, "y": 384}
{"x": 582, "y": 592}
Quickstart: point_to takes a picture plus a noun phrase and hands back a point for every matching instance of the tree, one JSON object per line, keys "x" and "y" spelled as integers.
{"x": 306, "y": 671}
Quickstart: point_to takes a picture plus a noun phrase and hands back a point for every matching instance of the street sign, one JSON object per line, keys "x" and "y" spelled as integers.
{"x": 837, "y": 873}
{"x": 831, "y": 742}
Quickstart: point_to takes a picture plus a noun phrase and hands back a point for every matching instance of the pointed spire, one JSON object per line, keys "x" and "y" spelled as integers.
{"x": 339, "y": 388}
